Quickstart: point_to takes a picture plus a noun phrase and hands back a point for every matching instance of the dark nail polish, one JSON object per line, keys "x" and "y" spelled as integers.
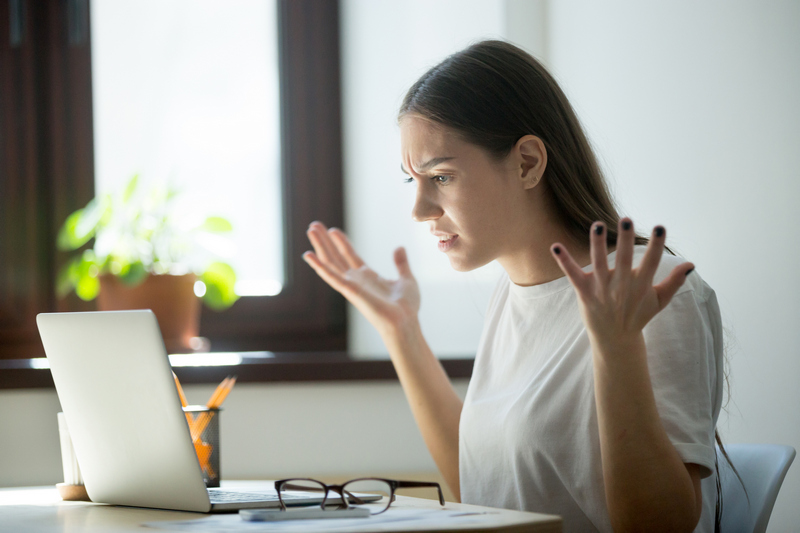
{"x": 598, "y": 229}
{"x": 690, "y": 271}
{"x": 626, "y": 225}
{"x": 557, "y": 250}
{"x": 659, "y": 231}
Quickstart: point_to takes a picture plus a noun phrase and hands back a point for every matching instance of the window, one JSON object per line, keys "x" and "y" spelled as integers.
{"x": 47, "y": 171}
{"x": 186, "y": 93}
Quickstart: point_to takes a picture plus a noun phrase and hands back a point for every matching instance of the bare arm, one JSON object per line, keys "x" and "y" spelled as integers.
{"x": 434, "y": 402}
{"x": 647, "y": 485}
{"x": 392, "y": 307}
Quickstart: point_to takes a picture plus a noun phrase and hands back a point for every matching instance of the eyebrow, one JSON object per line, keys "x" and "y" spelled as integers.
{"x": 428, "y": 164}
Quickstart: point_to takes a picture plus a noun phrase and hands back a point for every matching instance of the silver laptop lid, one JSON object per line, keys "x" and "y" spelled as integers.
{"x": 115, "y": 384}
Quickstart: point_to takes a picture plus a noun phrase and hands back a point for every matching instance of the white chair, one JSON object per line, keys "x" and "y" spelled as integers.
{"x": 762, "y": 468}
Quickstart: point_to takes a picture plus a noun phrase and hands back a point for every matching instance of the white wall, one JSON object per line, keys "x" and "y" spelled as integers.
{"x": 694, "y": 109}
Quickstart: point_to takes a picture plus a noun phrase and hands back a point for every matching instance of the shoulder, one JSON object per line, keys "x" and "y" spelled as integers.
{"x": 694, "y": 282}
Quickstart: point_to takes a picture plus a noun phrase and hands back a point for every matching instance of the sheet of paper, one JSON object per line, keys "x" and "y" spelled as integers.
{"x": 389, "y": 521}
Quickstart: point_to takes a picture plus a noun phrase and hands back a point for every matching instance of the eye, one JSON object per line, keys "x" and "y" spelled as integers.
{"x": 441, "y": 179}
{"x": 408, "y": 180}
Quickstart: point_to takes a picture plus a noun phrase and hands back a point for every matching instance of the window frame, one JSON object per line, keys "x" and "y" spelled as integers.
{"x": 307, "y": 315}
{"x": 47, "y": 171}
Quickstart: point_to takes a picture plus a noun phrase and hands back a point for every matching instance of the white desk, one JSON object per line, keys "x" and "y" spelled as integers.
{"x": 40, "y": 510}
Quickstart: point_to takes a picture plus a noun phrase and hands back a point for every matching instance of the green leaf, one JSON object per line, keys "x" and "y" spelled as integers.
{"x": 67, "y": 239}
{"x": 83, "y": 224}
{"x": 130, "y": 188}
{"x": 87, "y": 284}
{"x": 134, "y": 274}
{"x": 216, "y": 225}
{"x": 87, "y": 288}
{"x": 220, "y": 279}
{"x": 67, "y": 278}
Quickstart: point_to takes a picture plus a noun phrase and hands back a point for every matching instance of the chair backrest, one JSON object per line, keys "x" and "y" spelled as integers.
{"x": 762, "y": 468}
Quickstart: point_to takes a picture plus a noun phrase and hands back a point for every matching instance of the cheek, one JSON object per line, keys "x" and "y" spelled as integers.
{"x": 488, "y": 215}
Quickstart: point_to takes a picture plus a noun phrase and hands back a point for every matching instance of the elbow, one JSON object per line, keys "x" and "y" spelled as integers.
{"x": 668, "y": 516}
{"x": 672, "y": 525}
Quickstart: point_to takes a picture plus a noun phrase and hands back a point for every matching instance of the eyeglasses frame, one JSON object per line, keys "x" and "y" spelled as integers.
{"x": 339, "y": 489}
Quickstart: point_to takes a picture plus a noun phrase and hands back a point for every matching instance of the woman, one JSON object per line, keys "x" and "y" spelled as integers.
{"x": 597, "y": 383}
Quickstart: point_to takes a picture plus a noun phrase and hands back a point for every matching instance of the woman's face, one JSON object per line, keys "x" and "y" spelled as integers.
{"x": 476, "y": 206}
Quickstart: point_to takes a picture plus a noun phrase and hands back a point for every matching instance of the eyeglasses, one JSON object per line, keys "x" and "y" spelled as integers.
{"x": 359, "y": 491}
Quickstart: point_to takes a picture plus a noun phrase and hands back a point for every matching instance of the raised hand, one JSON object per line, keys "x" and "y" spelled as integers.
{"x": 617, "y": 303}
{"x": 387, "y": 304}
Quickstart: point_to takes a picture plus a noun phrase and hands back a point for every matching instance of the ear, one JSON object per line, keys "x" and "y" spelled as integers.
{"x": 531, "y": 158}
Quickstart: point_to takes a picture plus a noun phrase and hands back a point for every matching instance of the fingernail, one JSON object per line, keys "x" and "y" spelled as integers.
{"x": 659, "y": 231}
{"x": 598, "y": 229}
{"x": 626, "y": 225}
{"x": 557, "y": 250}
{"x": 690, "y": 271}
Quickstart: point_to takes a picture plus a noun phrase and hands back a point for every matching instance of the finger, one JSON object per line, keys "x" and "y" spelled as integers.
{"x": 570, "y": 268}
{"x": 401, "y": 261}
{"x": 667, "y": 288}
{"x": 345, "y": 248}
{"x": 652, "y": 257}
{"x": 330, "y": 276}
{"x": 625, "y": 239}
{"x": 597, "y": 238}
{"x": 324, "y": 247}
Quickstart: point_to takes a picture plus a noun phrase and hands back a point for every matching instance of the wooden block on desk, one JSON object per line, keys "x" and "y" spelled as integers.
{"x": 73, "y": 493}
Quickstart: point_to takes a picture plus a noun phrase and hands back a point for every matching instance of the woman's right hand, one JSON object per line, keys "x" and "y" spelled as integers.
{"x": 389, "y": 305}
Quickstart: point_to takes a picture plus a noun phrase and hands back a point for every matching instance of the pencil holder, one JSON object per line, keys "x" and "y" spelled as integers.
{"x": 204, "y": 428}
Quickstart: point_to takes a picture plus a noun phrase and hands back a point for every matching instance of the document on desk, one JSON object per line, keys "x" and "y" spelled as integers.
{"x": 400, "y": 519}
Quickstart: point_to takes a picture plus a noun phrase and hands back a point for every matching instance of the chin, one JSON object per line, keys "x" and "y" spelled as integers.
{"x": 463, "y": 264}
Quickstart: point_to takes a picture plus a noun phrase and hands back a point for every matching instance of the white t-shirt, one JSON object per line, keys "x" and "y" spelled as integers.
{"x": 528, "y": 437}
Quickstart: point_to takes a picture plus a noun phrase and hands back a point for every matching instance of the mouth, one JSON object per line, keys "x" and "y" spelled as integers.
{"x": 446, "y": 242}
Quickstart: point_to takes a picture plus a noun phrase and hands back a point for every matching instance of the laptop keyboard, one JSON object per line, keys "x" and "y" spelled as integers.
{"x": 218, "y": 496}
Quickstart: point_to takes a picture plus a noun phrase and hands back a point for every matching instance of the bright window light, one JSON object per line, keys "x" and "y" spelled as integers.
{"x": 258, "y": 287}
{"x": 205, "y": 359}
{"x": 187, "y": 92}
{"x": 199, "y": 289}
{"x": 39, "y": 363}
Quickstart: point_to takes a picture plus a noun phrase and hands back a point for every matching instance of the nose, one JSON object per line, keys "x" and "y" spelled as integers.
{"x": 425, "y": 208}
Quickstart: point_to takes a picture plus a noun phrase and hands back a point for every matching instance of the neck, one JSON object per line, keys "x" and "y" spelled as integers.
{"x": 532, "y": 262}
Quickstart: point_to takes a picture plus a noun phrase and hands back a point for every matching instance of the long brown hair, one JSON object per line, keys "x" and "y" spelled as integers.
{"x": 492, "y": 94}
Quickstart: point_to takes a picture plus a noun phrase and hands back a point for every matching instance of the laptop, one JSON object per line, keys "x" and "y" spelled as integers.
{"x": 129, "y": 432}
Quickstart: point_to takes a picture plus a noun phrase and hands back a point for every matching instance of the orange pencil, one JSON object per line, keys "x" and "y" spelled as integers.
{"x": 184, "y": 403}
{"x": 180, "y": 390}
{"x": 225, "y": 392}
{"x": 214, "y": 402}
{"x": 217, "y": 392}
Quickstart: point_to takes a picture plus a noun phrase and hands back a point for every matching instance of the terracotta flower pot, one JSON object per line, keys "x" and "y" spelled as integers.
{"x": 171, "y": 298}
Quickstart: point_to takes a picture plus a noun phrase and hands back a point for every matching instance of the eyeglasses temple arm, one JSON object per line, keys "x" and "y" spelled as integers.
{"x": 420, "y": 484}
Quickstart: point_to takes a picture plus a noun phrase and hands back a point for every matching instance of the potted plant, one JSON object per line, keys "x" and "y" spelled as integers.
{"x": 145, "y": 255}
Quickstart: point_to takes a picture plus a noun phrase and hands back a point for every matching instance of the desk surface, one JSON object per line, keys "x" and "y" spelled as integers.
{"x": 40, "y": 510}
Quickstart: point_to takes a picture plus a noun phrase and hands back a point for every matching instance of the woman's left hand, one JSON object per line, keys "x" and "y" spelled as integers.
{"x": 617, "y": 303}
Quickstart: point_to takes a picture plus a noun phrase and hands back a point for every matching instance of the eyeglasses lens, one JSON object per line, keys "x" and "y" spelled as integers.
{"x": 372, "y": 493}
{"x": 294, "y": 489}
